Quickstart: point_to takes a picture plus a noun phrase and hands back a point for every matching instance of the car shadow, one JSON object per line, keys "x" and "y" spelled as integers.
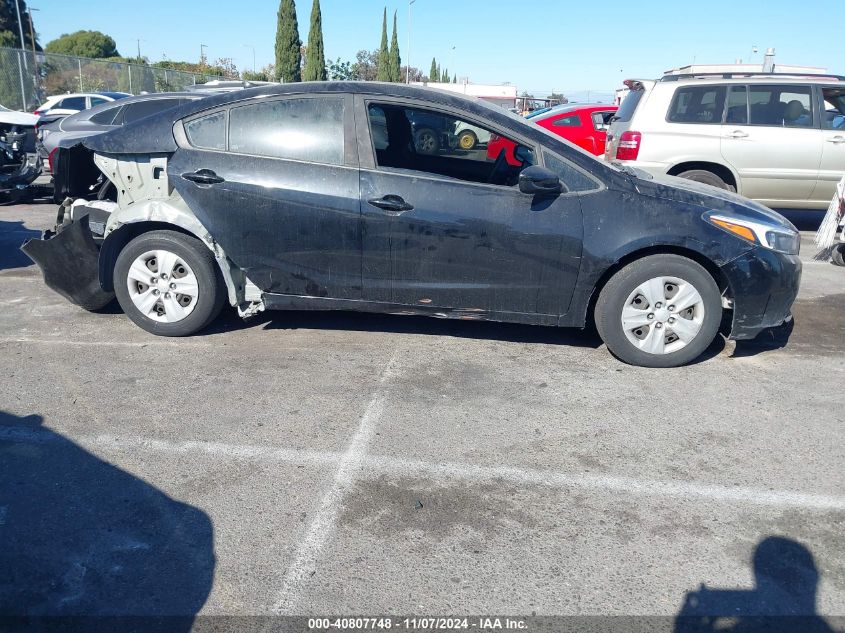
{"x": 86, "y": 542}
{"x": 12, "y": 236}
{"x": 783, "y": 599}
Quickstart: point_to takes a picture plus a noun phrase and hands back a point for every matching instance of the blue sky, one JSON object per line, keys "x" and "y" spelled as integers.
{"x": 539, "y": 46}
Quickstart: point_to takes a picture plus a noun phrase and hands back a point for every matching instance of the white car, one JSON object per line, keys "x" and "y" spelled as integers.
{"x": 469, "y": 135}
{"x": 76, "y": 102}
{"x": 19, "y": 164}
{"x": 775, "y": 138}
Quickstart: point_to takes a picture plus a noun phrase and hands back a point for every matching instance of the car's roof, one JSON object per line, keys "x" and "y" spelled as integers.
{"x": 768, "y": 78}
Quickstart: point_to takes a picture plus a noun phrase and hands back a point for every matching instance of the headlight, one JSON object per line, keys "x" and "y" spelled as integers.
{"x": 777, "y": 238}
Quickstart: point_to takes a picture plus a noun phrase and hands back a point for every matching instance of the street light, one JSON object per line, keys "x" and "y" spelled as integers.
{"x": 408, "y": 62}
{"x": 253, "y": 55}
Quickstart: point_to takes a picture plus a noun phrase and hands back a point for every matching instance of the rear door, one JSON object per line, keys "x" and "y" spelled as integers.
{"x": 451, "y": 230}
{"x": 833, "y": 143}
{"x": 770, "y": 138}
{"x": 275, "y": 182}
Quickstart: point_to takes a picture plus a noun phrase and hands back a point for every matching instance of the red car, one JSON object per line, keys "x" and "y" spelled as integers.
{"x": 583, "y": 125}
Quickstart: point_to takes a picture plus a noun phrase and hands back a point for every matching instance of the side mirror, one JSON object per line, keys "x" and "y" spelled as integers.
{"x": 538, "y": 180}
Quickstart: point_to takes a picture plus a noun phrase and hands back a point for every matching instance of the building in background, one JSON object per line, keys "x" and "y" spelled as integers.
{"x": 503, "y": 95}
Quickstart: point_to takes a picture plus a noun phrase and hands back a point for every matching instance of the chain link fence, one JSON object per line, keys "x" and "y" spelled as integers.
{"x": 27, "y": 78}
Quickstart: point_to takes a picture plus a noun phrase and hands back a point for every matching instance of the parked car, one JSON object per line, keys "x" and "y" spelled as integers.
{"x": 774, "y": 138}
{"x": 584, "y": 125}
{"x": 468, "y": 136}
{"x": 64, "y": 141}
{"x": 76, "y": 102}
{"x": 276, "y": 198}
{"x": 19, "y": 164}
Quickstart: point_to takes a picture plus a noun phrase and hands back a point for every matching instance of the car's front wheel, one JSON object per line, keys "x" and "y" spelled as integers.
{"x": 659, "y": 311}
{"x": 168, "y": 283}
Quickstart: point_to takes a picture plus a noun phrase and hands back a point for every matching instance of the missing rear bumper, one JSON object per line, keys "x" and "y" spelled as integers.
{"x": 69, "y": 263}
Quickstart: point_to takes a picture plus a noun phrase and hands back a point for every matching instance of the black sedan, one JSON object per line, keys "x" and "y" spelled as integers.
{"x": 315, "y": 196}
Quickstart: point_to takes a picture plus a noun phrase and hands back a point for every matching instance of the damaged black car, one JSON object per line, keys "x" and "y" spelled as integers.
{"x": 316, "y": 196}
{"x": 19, "y": 162}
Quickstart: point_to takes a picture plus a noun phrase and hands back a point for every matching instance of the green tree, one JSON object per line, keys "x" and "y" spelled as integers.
{"x": 84, "y": 44}
{"x": 445, "y": 76}
{"x": 339, "y": 70}
{"x": 315, "y": 57}
{"x": 9, "y": 31}
{"x": 434, "y": 73}
{"x": 365, "y": 67}
{"x": 395, "y": 59}
{"x": 288, "y": 44}
{"x": 383, "y": 53}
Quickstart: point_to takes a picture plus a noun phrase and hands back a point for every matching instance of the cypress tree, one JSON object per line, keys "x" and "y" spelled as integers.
{"x": 383, "y": 53}
{"x": 395, "y": 59}
{"x": 315, "y": 58}
{"x": 288, "y": 53}
{"x": 445, "y": 76}
{"x": 433, "y": 75}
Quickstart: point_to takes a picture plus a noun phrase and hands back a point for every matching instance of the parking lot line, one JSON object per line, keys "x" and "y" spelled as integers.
{"x": 323, "y": 523}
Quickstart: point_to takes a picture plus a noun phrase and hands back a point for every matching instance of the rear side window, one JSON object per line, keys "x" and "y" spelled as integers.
{"x": 697, "y": 104}
{"x": 135, "y": 111}
{"x": 72, "y": 103}
{"x": 573, "y": 120}
{"x": 629, "y": 105}
{"x": 299, "y": 129}
{"x": 207, "y": 132}
{"x": 780, "y": 106}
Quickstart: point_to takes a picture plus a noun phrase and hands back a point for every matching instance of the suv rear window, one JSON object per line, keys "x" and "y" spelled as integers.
{"x": 697, "y": 104}
{"x": 629, "y": 105}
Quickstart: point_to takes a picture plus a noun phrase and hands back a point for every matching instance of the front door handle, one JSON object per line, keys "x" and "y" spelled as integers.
{"x": 738, "y": 134}
{"x": 203, "y": 177}
{"x": 391, "y": 203}
{"x": 836, "y": 140}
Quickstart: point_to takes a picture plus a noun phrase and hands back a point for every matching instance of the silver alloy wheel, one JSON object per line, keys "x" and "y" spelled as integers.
{"x": 162, "y": 286}
{"x": 663, "y": 315}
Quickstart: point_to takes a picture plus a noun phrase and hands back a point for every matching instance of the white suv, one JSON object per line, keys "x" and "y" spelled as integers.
{"x": 778, "y": 139}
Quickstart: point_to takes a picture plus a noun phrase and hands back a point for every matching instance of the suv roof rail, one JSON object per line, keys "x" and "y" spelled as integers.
{"x": 731, "y": 75}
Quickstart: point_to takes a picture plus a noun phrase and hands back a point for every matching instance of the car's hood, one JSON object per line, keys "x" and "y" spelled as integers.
{"x": 17, "y": 118}
{"x": 710, "y": 198}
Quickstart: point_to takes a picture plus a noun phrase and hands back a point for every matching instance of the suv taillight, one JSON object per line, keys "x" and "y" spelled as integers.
{"x": 629, "y": 146}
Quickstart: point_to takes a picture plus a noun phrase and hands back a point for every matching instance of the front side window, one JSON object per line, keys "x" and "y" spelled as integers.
{"x": 574, "y": 179}
{"x": 207, "y": 132}
{"x": 780, "y": 106}
{"x": 601, "y": 120}
{"x": 697, "y": 104}
{"x": 834, "y": 108}
{"x": 427, "y": 141}
{"x": 299, "y": 129}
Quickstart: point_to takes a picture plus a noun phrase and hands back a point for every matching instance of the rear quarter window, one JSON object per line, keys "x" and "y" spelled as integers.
{"x": 697, "y": 104}
{"x": 207, "y": 132}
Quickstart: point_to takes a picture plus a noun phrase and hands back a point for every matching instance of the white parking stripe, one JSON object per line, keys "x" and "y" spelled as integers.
{"x": 377, "y": 465}
{"x": 323, "y": 523}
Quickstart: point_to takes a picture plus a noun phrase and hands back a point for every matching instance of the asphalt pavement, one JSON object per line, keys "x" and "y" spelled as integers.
{"x": 301, "y": 463}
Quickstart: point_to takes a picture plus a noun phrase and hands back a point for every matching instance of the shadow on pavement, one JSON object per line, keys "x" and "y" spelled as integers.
{"x": 12, "y": 236}
{"x": 86, "y": 541}
{"x": 783, "y": 599}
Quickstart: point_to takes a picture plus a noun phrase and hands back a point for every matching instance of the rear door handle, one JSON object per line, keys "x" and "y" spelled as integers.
{"x": 836, "y": 140}
{"x": 738, "y": 134}
{"x": 391, "y": 203}
{"x": 203, "y": 177}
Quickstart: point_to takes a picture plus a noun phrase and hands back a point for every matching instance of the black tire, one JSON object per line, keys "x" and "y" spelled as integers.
{"x": 611, "y": 301}
{"x": 706, "y": 177}
{"x": 426, "y": 141}
{"x": 467, "y": 140}
{"x": 837, "y": 256}
{"x": 211, "y": 289}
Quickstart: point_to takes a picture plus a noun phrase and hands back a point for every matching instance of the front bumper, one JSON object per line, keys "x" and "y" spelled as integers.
{"x": 69, "y": 261}
{"x": 763, "y": 285}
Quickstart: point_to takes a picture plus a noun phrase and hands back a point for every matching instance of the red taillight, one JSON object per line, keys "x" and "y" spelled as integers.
{"x": 50, "y": 158}
{"x": 38, "y": 112}
{"x": 629, "y": 146}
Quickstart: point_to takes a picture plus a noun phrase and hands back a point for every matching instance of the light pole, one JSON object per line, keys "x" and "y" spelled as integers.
{"x": 253, "y": 55}
{"x": 23, "y": 48}
{"x": 408, "y": 63}
{"x": 452, "y": 62}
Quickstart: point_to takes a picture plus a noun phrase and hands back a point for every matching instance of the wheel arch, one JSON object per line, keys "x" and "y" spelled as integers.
{"x": 662, "y": 249}
{"x": 722, "y": 171}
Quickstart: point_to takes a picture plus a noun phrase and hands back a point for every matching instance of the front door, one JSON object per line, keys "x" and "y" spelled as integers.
{"x": 275, "y": 182}
{"x": 771, "y": 140}
{"x": 451, "y": 229}
{"x": 833, "y": 144}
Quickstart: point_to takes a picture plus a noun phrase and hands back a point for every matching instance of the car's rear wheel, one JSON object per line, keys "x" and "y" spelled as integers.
{"x": 168, "y": 283}
{"x": 467, "y": 140}
{"x": 706, "y": 177}
{"x": 659, "y": 311}
{"x": 427, "y": 141}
